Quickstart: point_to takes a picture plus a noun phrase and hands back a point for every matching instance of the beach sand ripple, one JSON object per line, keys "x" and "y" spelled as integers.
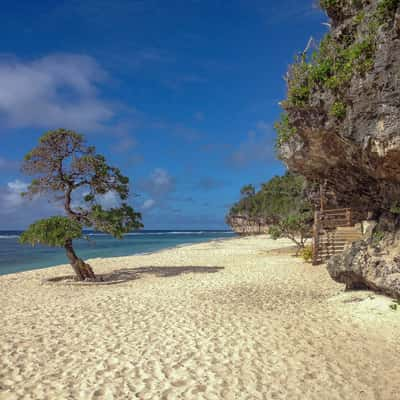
{"x": 220, "y": 320}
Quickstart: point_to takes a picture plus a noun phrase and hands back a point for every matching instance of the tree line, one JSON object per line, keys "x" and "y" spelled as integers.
{"x": 282, "y": 203}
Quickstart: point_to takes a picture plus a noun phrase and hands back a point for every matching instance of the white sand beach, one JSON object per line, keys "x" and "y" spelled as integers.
{"x": 232, "y": 319}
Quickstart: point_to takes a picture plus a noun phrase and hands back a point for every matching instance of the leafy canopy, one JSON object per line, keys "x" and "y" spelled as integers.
{"x": 282, "y": 204}
{"x": 65, "y": 168}
{"x": 279, "y": 197}
{"x": 53, "y": 231}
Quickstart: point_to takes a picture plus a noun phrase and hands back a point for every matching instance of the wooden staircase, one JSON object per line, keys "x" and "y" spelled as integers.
{"x": 333, "y": 230}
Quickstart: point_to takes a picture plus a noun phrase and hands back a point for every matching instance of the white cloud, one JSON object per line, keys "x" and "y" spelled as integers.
{"x": 257, "y": 147}
{"x": 148, "y": 204}
{"x": 17, "y": 212}
{"x": 159, "y": 184}
{"x": 109, "y": 200}
{"x": 158, "y": 187}
{"x": 10, "y": 196}
{"x": 126, "y": 143}
{"x": 59, "y": 90}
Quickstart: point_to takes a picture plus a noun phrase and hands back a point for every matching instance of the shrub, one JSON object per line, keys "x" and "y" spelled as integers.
{"x": 386, "y": 10}
{"x": 284, "y": 130}
{"x": 338, "y": 110}
{"x": 377, "y": 237}
{"x": 395, "y": 208}
{"x": 298, "y": 83}
{"x": 395, "y": 305}
{"x": 296, "y": 227}
{"x": 307, "y": 253}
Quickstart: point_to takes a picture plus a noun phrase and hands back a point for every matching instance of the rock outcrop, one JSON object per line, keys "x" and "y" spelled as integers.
{"x": 244, "y": 225}
{"x": 348, "y": 135}
{"x": 341, "y": 127}
{"x": 373, "y": 263}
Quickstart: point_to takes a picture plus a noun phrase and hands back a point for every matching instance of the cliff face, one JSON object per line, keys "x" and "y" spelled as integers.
{"x": 244, "y": 225}
{"x": 345, "y": 129}
{"x": 342, "y": 129}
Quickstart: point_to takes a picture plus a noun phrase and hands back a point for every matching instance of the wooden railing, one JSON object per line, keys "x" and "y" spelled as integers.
{"x": 335, "y": 218}
{"x": 327, "y": 221}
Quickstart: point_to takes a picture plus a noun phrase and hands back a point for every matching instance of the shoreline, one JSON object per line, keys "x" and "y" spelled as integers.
{"x": 235, "y": 318}
{"x": 129, "y": 255}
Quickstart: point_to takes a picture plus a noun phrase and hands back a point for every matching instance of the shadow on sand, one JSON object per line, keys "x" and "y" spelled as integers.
{"x": 130, "y": 274}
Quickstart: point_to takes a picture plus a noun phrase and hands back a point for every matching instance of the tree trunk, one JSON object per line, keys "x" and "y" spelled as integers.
{"x": 82, "y": 270}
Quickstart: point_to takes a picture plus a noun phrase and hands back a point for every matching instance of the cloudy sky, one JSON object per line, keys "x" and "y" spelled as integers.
{"x": 181, "y": 95}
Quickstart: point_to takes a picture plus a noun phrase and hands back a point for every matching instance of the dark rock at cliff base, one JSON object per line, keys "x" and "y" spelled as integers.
{"x": 365, "y": 265}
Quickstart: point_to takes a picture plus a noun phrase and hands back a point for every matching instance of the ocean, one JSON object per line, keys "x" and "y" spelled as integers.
{"x": 15, "y": 257}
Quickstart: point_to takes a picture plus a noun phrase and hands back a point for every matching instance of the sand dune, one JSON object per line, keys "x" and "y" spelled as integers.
{"x": 220, "y": 320}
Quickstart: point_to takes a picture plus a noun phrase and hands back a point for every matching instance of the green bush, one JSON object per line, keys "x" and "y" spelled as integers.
{"x": 284, "y": 130}
{"x": 359, "y": 18}
{"x": 395, "y": 208}
{"x": 307, "y": 253}
{"x": 296, "y": 226}
{"x": 386, "y": 10}
{"x": 377, "y": 237}
{"x": 339, "y": 110}
{"x": 395, "y": 305}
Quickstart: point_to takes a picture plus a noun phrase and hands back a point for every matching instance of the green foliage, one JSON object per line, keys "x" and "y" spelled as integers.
{"x": 65, "y": 168}
{"x": 395, "y": 208}
{"x": 115, "y": 221}
{"x": 386, "y": 10}
{"x": 307, "y": 253}
{"x": 359, "y": 18}
{"x": 277, "y": 197}
{"x": 332, "y": 68}
{"x": 284, "y": 130}
{"x": 337, "y": 5}
{"x": 395, "y": 305}
{"x": 281, "y": 203}
{"x": 248, "y": 190}
{"x": 299, "y": 88}
{"x": 338, "y": 59}
{"x": 339, "y": 110}
{"x": 377, "y": 237}
{"x": 53, "y": 231}
{"x": 296, "y": 227}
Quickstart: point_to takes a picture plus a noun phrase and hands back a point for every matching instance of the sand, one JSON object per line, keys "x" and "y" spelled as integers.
{"x": 231, "y": 319}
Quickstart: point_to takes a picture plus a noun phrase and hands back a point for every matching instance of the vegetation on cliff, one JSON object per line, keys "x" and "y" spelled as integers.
{"x": 343, "y": 54}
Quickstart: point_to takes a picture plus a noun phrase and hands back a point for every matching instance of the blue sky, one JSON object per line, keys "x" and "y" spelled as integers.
{"x": 181, "y": 95}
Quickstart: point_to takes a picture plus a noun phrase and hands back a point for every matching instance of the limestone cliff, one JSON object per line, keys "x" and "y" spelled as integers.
{"x": 244, "y": 225}
{"x": 343, "y": 106}
{"x": 341, "y": 127}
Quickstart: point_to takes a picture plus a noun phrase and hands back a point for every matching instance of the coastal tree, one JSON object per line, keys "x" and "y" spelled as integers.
{"x": 248, "y": 191}
{"x": 67, "y": 170}
{"x": 282, "y": 204}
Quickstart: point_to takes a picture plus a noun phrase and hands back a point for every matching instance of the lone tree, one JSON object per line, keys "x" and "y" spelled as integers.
{"x": 65, "y": 168}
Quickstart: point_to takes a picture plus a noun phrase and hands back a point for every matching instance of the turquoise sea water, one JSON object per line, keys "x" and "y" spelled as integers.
{"x": 15, "y": 257}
